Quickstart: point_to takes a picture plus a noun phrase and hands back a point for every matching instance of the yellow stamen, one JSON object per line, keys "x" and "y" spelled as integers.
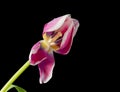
{"x": 50, "y": 42}
{"x": 55, "y": 47}
{"x": 45, "y": 37}
{"x": 59, "y": 34}
{"x": 44, "y": 45}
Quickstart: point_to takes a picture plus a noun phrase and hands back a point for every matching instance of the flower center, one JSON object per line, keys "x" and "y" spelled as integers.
{"x": 59, "y": 34}
{"x": 50, "y": 40}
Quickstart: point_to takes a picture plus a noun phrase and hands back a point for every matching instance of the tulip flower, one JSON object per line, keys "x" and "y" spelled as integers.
{"x": 58, "y": 36}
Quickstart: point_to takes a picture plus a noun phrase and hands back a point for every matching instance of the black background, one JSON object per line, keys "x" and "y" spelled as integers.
{"x": 21, "y": 27}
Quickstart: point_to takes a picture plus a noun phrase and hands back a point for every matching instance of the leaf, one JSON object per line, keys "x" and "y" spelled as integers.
{"x": 19, "y": 89}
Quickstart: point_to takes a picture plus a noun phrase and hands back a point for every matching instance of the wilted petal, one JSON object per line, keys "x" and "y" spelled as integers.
{"x": 46, "y": 68}
{"x": 37, "y": 54}
{"x": 68, "y": 38}
{"x": 55, "y": 24}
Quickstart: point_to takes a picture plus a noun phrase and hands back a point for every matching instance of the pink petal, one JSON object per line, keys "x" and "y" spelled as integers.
{"x": 76, "y": 25}
{"x": 68, "y": 38}
{"x": 37, "y": 54}
{"x": 55, "y": 24}
{"x": 46, "y": 68}
{"x": 66, "y": 25}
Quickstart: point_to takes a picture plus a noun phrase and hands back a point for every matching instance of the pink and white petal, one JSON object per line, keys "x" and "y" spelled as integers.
{"x": 46, "y": 68}
{"x": 37, "y": 54}
{"x": 76, "y": 25}
{"x": 55, "y": 24}
{"x": 67, "y": 40}
{"x": 66, "y": 25}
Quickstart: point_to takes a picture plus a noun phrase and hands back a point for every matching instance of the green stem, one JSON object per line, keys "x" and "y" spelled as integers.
{"x": 15, "y": 76}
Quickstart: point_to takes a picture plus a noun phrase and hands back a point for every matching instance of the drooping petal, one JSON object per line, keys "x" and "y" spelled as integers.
{"x": 38, "y": 53}
{"x": 55, "y": 24}
{"x": 68, "y": 38}
{"x": 46, "y": 68}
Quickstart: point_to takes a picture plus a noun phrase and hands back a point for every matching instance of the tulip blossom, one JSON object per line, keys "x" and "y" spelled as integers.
{"x": 58, "y": 36}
